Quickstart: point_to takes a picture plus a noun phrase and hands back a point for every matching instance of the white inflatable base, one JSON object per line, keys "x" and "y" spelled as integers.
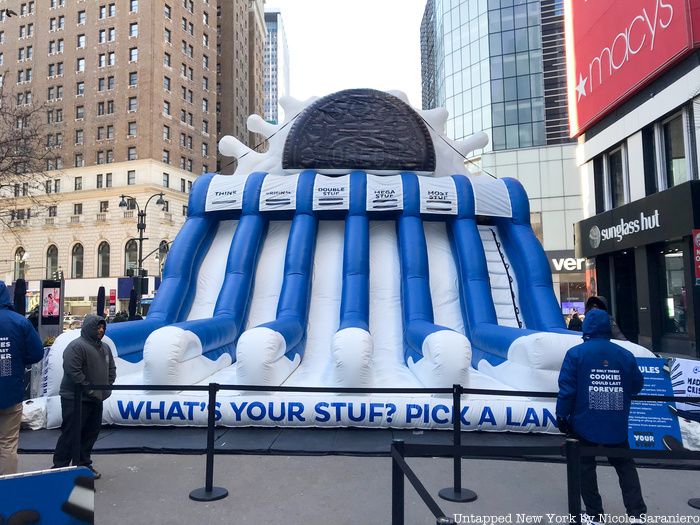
{"x": 352, "y": 351}
{"x": 261, "y": 359}
{"x": 173, "y": 356}
{"x": 446, "y": 358}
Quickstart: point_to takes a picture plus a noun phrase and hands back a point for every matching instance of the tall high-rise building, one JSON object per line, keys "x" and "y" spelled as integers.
{"x": 241, "y": 30}
{"x": 276, "y": 82}
{"x": 499, "y": 66}
{"x": 131, "y": 96}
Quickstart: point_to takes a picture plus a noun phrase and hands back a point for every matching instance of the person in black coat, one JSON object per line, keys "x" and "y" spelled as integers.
{"x": 575, "y": 322}
{"x": 601, "y": 303}
{"x": 86, "y": 360}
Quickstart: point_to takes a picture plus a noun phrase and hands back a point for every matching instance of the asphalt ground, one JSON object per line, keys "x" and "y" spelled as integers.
{"x": 353, "y": 490}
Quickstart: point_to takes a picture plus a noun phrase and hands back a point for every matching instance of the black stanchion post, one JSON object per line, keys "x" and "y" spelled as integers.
{"x": 209, "y": 492}
{"x": 456, "y": 492}
{"x": 77, "y": 419}
{"x": 397, "y": 487}
{"x": 572, "y": 450}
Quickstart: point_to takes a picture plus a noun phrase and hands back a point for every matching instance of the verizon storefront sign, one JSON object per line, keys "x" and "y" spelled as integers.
{"x": 614, "y": 47}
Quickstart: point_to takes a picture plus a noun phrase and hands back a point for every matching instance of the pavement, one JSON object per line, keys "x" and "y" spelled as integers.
{"x": 353, "y": 490}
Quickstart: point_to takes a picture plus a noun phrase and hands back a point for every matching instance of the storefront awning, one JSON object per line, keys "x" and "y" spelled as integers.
{"x": 662, "y": 216}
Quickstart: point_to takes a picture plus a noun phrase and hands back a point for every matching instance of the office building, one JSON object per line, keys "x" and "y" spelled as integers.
{"x": 130, "y": 90}
{"x": 498, "y": 66}
{"x": 634, "y": 107}
{"x": 240, "y": 46}
{"x": 276, "y": 81}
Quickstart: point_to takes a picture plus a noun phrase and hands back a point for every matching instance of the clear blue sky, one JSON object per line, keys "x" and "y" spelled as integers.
{"x": 341, "y": 44}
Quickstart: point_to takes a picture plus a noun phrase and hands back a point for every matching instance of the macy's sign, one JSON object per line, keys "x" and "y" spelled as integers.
{"x": 639, "y": 33}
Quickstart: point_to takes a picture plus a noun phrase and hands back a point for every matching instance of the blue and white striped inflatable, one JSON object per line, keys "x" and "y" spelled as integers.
{"x": 358, "y": 251}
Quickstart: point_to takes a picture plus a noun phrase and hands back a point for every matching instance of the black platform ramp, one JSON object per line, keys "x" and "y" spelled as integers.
{"x": 305, "y": 441}
{"x": 172, "y": 440}
{"x": 245, "y": 440}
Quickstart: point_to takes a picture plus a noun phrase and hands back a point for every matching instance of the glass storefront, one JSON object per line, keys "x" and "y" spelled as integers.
{"x": 673, "y": 288}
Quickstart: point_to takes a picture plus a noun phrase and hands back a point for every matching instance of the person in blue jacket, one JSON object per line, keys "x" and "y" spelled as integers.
{"x": 596, "y": 383}
{"x": 19, "y": 346}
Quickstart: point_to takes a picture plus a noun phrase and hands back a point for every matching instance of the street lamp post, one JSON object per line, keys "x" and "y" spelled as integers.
{"x": 141, "y": 226}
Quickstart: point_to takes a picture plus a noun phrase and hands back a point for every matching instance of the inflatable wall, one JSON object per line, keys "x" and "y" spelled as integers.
{"x": 356, "y": 252}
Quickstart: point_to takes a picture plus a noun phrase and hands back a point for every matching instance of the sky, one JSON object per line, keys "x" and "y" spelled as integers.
{"x": 342, "y": 44}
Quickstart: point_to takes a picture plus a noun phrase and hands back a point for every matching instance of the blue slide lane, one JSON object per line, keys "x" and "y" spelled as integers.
{"x": 489, "y": 341}
{"x": 219, "y": 334}
{"x": 177, "y": 290}
{"x": 293, "y": 305}
{"x": 538, "y": 305}
{"x": 416, "y": 302}
{"x": 354, "y": 305}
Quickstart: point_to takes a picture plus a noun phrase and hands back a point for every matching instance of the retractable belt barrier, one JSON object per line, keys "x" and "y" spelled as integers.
{"x": 571, "y": 449}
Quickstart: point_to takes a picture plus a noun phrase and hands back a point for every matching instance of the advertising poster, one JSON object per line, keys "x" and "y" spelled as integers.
{"x": 685, "y": 380}
{"x": 656, "y": 425}
{"x": 67, "y": 497}
{"x": 696, "y": 255}
{"x": 50, "y": 302}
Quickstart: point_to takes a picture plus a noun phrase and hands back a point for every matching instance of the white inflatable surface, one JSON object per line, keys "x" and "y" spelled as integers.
{"x": 328, "y": 356}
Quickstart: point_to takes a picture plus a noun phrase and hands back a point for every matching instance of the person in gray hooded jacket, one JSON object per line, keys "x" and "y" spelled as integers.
{"x": 86, "y": 360}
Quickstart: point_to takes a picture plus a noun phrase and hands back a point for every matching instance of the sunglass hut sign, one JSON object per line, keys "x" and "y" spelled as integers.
{"x": 624, "y": 228}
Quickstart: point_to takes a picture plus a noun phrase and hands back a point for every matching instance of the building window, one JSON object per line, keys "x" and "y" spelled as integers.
{"x": 166, "y": 132}
{"x": 130, "y": 256}
{"x": 167, "y": 35}
{"x": 99, "y": 181}
{"x": 108, "y": 180}
{"x": 52, "y": 211}
{"x": 131, "y": 153}
{"x": 674, "y": 147}
{"x": 51, "y": 261}
{"x": 80, "y": 88}
{"x": 166, "y": 156}
{"x": 166, "y": 83}
{"x": 78, "y": 184}
{"x": 133, "y": 104}
{"x": 104, "y": 206}
{"x": 611, "y": 179}
{"x": 133, "y": 54}
{"x": 131, "y": 129}
{"x": 133, "y": 78}
{"x": 79, "y": 161}
{"x": 131, "y": 177}
{"x": 167, "y": 11}
{"x": 80, "y": 65}
{"x": 134, "y": 29}
{"x": 166, "y": 180}
{"x": 133, "y": 6}
{"x": 103, "y": 260}
{"x": 80, "y": 44}
{"x": 77, "y": 262}
{"x": 78, "y": 208}
{"x": 673, "y": 288}
{"x": 79, "y": 137}
{"x": 182, "y": 185}
{"x": 20, "y": 263}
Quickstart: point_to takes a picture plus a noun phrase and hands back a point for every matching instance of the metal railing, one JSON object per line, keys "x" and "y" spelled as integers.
{"x": 571, "y": 449}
